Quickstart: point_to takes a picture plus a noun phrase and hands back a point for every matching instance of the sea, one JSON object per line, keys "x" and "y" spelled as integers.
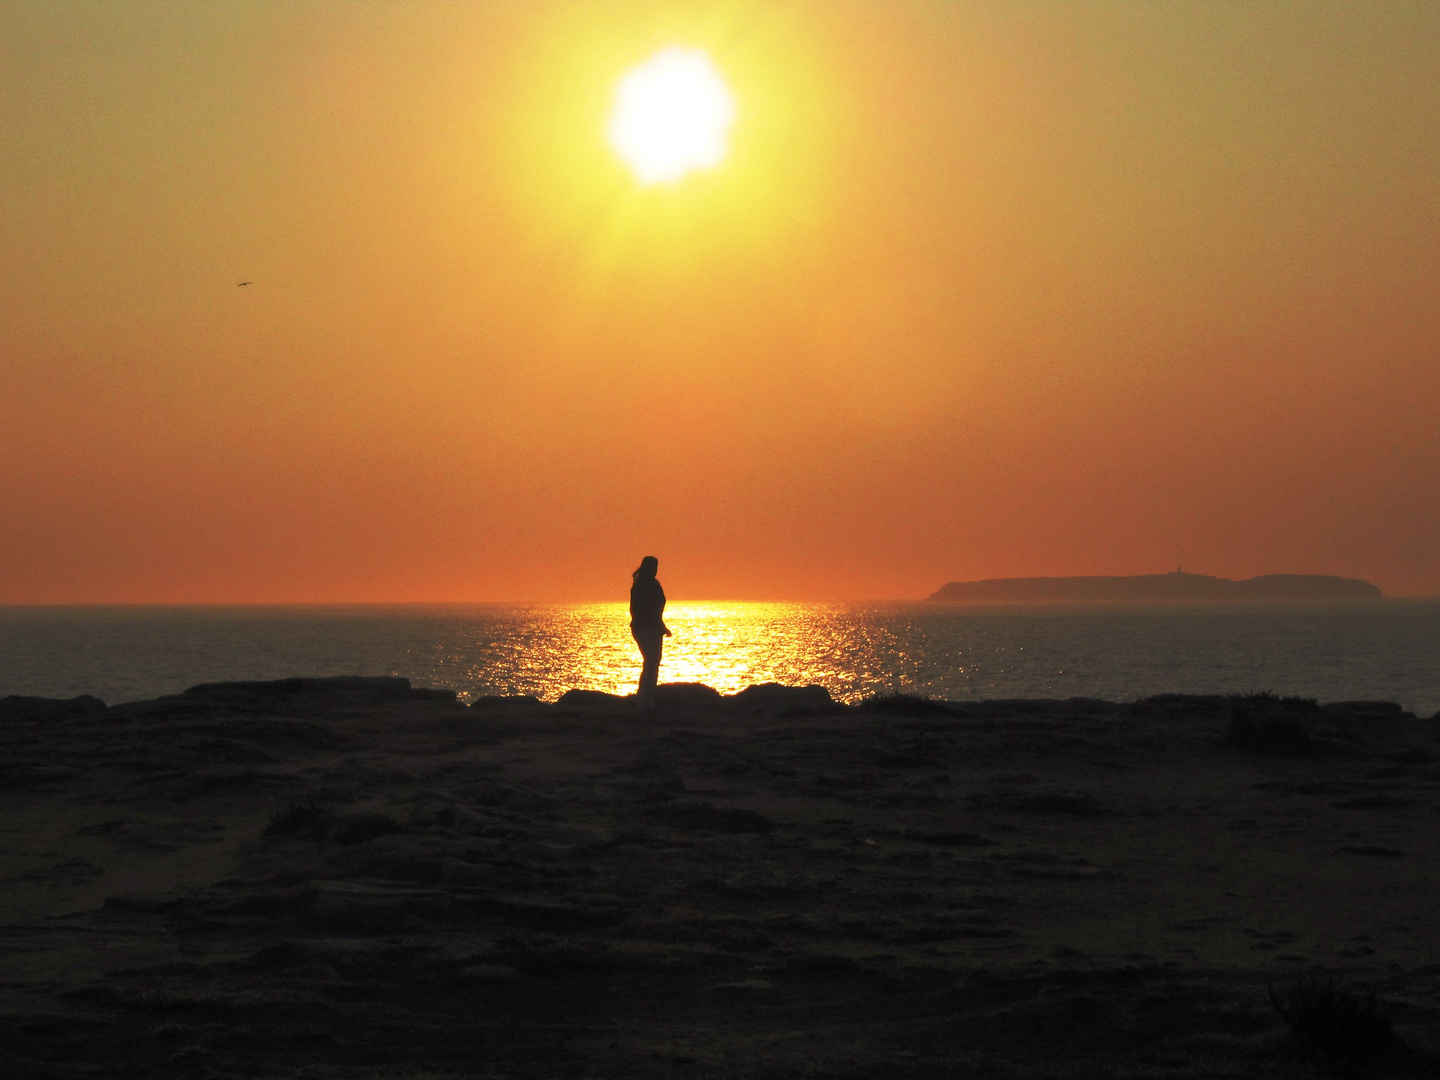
{"x": 1385, "y": 650}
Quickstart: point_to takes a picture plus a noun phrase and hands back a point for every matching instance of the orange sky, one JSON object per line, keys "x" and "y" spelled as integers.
{"x": 983, "y": 289}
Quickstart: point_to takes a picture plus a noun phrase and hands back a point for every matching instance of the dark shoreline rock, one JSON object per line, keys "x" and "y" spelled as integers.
{"x": 281, "y": 696}
{"x": 771, "y": 699}
{"x": 319, "y": 695}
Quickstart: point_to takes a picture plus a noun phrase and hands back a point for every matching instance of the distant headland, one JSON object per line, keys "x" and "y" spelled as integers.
{"x": 1173, "y": 586}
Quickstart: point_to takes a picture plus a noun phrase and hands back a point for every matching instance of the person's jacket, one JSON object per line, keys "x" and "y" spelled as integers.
{"x": 647, "y": 605}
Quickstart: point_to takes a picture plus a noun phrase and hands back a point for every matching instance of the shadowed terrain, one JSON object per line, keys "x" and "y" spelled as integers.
{"x": 354, "y": 878}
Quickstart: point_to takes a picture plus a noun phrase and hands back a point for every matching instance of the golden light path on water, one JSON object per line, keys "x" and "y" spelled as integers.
{"x": 728, "y": 646}
{"x": 1341, "y": 651}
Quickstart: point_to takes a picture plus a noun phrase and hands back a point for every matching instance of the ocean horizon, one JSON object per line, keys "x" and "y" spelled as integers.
{"x": 1329, "y": 650}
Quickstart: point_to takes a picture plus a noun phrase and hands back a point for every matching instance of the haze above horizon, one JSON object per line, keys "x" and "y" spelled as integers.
{"x": 980, "y": 291}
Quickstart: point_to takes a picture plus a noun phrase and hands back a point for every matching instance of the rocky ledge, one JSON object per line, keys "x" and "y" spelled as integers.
{"x": 343, "y": 878}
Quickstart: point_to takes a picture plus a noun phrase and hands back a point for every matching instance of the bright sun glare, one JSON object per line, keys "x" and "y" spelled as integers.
{"x": 671, "y": 115}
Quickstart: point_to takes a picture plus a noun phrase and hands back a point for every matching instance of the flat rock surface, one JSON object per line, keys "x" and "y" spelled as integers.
{"x": 368, "y": 881}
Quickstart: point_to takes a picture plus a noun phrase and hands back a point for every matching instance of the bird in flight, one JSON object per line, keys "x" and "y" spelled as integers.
{"x": 243, "y": 284}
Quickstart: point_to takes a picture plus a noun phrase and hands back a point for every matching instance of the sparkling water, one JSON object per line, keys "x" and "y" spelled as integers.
{"x": 1381, "y": 650}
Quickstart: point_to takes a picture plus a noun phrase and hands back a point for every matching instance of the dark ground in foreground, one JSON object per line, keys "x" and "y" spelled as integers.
{"x": 347, "y": 878}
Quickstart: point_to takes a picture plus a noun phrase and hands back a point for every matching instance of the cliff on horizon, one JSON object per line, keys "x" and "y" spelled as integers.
{"x": 1174, "y": 586}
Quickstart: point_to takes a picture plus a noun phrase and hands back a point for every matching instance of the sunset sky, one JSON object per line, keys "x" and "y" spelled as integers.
{"x": 979, "y": 289}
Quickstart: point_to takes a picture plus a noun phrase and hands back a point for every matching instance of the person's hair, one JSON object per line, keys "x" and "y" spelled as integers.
{"x": 647, "y": 568}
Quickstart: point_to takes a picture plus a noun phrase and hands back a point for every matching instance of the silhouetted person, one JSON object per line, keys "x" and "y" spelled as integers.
{"x": 647, "y": 606}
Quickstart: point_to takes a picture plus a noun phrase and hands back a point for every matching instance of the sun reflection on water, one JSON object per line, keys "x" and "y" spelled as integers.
{"x": 728, "y": 646}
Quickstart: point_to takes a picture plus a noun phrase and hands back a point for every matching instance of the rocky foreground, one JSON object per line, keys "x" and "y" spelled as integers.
{"x": 352, "y": 878}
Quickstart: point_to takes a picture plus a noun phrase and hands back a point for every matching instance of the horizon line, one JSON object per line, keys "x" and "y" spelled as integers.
{"x": 15, "y": 604}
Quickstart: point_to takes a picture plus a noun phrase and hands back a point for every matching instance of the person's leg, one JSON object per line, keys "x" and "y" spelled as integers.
{"x": 650, "y": 673}
{"x": 650, "y": 647}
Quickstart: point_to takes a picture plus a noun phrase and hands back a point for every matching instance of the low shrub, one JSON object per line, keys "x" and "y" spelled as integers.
{"x": 308, "y": 821}
{"x": 1334, "y": 1026}
{"x": 358, "y": 828}
{"x": 293, "y": 819}
{"x": 1251, "y": 729}
{"x": 1267, "y": 699}
{"x": 905, "y": 705}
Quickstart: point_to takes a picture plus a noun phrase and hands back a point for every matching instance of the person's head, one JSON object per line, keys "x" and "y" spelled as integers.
{"x": 647, "y": 568}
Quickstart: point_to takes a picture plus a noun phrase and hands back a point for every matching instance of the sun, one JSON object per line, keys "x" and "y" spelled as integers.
{"x": 671, "y": 116}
